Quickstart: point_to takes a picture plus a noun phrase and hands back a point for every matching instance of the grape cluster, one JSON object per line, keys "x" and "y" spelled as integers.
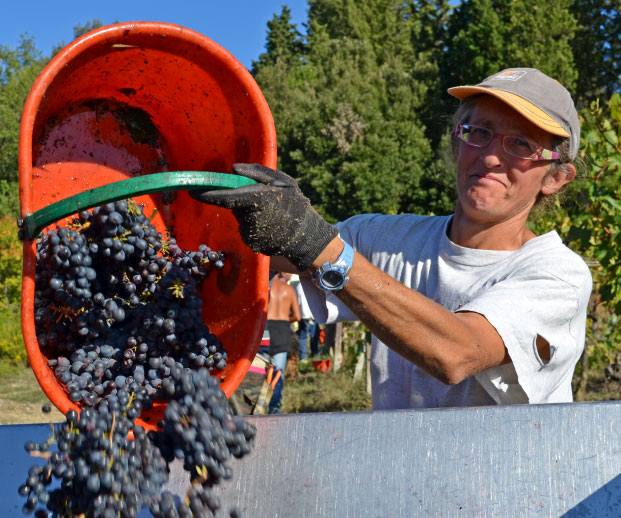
{"x": 102, "y": 472}
{"x": 105, "y": 474}
{"x": 115, "y": 303}
{"x": 200, "y": 429}
{"x": 119, "y": 315}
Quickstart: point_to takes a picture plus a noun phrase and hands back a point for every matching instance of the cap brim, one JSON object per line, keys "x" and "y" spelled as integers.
{"x": 528, "y": 110}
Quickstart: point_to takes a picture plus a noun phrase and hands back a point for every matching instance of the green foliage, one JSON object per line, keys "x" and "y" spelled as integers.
{"x": 9, "y": 199}
{"x": 591, "y": 225}
{"x": 78, "y": 30}
{"x": 485, "y": 36}
{"x": 348, "y": 109}
{"x": 12, "y": 349}
{"x": 598, "y": 231}
{"x": 361, "y": 111}
{"x": 13, "y": 60}
{"x": 11, "y": 342}
{"x": 18, "y": 69}
{"x": 356, "y": 338}
{"x": 284, "y": 42}
{"x": 10, "y": 263}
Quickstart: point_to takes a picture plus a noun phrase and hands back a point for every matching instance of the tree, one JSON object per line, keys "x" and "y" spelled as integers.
{"x": 485, "y": 36}
{"x": 347, "y": 108}
{"x": 596, "y": 48}
{"x": 19, "y": 68}
{"x": 428, "y": 25}
{"x": 284, "y": 42}
{"x": 78, "y": 30}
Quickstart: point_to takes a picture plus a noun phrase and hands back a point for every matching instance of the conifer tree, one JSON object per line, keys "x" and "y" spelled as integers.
{"x": 485, "y": 36}
{"x": 597, "y": 48}
{"x": 348, "y": 108}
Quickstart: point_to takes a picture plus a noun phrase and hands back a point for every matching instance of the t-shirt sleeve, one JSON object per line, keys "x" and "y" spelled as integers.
{"x": 326, "y": 308}
{"x": 533, "y": 302}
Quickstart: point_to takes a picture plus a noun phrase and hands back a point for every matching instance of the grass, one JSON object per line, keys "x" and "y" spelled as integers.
{"x": 315, "y": 391}
{"x": 21, "y": 397}
{"x": 18, "y": 384}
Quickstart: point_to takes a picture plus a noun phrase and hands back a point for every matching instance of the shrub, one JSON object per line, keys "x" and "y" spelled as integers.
{"x": 11, "y": 342}
{"x": 12, "y": 348}
{"x": 591, "y": 226}
{"x": 10, "y": 263}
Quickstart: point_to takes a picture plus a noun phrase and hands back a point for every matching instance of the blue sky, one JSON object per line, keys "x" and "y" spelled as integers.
{"x": 238, "y": 25}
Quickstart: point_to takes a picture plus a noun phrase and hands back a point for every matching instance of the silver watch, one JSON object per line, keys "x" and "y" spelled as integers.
{"x": 333, "y": 276}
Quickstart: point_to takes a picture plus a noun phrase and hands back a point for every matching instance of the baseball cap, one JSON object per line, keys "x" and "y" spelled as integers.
{"x": 536, "y": 96}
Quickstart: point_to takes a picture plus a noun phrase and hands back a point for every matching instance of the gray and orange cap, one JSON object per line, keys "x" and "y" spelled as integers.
{"x": 537, "y": 97}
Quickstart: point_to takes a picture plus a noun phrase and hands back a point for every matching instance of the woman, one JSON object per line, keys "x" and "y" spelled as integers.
{"x": 467, "y": 309}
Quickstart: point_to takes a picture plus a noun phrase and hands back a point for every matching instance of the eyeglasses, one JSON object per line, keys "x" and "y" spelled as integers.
{"x": 515, "y": 145}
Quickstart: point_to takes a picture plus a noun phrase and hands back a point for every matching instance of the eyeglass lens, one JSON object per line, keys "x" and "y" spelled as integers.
{"x": 481, "y": 137}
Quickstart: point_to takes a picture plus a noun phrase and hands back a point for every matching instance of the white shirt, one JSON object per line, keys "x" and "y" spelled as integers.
{"x": 541, "y": 289}
{"x": 305, "y": 309}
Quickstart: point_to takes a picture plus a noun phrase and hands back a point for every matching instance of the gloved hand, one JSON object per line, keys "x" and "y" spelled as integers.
{"x": 274, "y": 217}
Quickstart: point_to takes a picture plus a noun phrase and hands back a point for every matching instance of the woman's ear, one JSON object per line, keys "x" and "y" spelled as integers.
{"x": 555, "y": 181}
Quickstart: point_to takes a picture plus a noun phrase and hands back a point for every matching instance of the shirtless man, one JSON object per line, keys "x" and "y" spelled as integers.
{"x": 283, "y": 308}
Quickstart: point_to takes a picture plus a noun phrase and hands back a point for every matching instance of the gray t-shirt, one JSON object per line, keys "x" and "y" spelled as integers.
{"x": 541, "y": 289}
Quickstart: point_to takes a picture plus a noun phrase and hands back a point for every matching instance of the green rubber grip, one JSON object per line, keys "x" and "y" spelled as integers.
{"x": 157, "y": 182}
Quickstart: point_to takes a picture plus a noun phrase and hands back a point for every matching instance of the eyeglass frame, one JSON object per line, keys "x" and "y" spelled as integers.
{"x": 540, "y": 154}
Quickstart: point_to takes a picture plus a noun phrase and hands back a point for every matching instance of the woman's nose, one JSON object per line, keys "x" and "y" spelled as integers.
{"x": 492, "y": 154}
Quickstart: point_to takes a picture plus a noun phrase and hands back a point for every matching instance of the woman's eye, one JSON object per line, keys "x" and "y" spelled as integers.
{"x": 525, "y": 144}
{"x": 479, "y": 132}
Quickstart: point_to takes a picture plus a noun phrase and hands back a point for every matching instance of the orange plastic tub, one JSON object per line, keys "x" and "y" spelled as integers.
{"x": 139, "y": 98}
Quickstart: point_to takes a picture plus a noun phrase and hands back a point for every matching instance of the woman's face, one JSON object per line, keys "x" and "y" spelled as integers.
{"x": 492, "y": 185}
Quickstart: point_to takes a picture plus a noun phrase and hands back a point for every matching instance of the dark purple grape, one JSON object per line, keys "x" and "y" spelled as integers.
{"x": 131, "y": 320}
{"x": 55, "y": 284}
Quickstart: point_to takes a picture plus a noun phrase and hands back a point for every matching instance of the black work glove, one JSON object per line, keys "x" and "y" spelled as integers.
{"x": 274, "y": 217}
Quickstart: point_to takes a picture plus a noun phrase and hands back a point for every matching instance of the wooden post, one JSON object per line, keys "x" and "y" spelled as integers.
{"x": 337, "y": 361}
{"x": 368, "y": 355}
{"x": 361, "y": 365}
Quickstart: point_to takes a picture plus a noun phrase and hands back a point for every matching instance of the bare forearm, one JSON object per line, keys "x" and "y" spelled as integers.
{"x": 281, "y": 264}
{"x": 449, "y": 346}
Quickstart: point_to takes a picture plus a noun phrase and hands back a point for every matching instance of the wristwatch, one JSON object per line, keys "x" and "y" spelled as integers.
{"x": 333, "y": 276}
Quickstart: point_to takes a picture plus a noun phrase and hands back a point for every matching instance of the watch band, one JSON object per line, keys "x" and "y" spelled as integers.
{"x": 334, "y": 276}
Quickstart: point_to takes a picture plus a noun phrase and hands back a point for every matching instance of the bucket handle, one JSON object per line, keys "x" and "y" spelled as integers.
{"x": 156, "y": 182}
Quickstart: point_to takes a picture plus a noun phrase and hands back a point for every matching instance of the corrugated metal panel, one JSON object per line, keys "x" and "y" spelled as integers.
{"x": 512, "y": 461}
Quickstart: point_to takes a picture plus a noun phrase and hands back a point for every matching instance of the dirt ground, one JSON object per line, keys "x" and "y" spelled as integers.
{"x": 598, "y": 388}
{"x": 21, "y": 400}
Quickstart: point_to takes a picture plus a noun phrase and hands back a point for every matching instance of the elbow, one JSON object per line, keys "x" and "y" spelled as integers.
{"x": 450, "y": 376}
{"x": 453, "y": 365}
{"x": 452, "y": 371}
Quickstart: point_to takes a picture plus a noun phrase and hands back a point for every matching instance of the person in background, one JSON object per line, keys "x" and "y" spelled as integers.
{"x": 466, "y": 309}
{"x": 282, "y": 310}
{"x": 308, "y": 330}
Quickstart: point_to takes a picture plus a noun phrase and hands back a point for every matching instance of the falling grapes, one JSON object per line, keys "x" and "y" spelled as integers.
{"x": 118, "y": 313}
{"x": 98, "y": 467}
{"x": 200, "y": 429}
{"x": 115, "y": 303}
{"x": 105, "y": 474}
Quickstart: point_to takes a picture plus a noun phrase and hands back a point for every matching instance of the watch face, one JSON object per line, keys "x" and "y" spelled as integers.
{"x": 332, "y": 278}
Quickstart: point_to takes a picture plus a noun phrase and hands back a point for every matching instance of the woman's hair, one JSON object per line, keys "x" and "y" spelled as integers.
{"x": 560, "y": 145}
